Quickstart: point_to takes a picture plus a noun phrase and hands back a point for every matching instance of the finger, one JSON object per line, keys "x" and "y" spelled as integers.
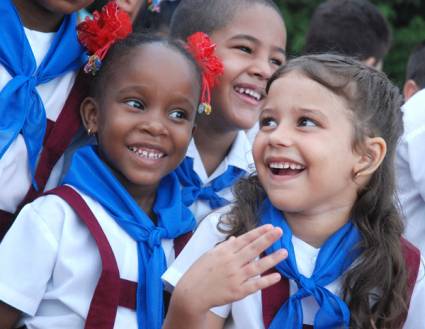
{"x": 256, "y": 247}
{"x": 263, "y": 264}
{"x": 260, "y": 283}
{"x": 236, "y": 244}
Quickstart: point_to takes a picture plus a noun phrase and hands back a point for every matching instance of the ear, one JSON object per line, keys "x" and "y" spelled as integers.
{"x": 373, "y": 62}
{"x": 409, "y": 88}
{"x": 89, "y": 111}
{"x": 372, "y": 154}
{"x": 194, "y": 129}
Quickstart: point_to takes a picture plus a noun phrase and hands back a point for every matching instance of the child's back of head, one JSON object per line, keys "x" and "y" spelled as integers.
{"x": 353, "y": 28}
{"x": 415, "y": 71}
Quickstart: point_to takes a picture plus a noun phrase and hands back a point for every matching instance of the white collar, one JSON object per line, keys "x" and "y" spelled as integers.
{"x": 240, "y": 156}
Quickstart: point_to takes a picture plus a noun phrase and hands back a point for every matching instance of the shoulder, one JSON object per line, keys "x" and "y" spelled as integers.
{"x": 414, "y": 115}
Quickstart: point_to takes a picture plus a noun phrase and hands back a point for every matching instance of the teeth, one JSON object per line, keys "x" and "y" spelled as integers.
{"x": 285, "y": 165}
{"x": 250, "y": 92}
{"x": 146, "y": 154}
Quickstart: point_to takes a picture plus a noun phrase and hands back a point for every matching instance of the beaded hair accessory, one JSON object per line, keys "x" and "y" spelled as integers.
{"x": 202, "y": 49}
{"x": 153, "y": 5}
{"x": 99, "y": 33}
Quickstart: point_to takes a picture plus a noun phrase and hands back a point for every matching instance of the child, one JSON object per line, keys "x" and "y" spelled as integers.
{"x": 324, "y": 158}
{"x": 61, "y": 266}
{"x": 415, "y": 72}
{"x": 410, "y": 151}
{"x": 39, "y": 59}
{"x": 349, "y": 27}
{"x": 250, "y": 38}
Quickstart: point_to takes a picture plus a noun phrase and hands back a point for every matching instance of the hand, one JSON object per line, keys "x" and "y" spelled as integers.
{"x": 230, "y": 271}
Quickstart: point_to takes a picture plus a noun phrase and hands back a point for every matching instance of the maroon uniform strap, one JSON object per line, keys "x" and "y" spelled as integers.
{"x": 111, "y": 291}
{"x": 275, "y": 296}
{"x": 59, "y": 135}
{"x": 412, "y": 257}
{"x": 57, "y": 138}
{"x": 272, "y": 298}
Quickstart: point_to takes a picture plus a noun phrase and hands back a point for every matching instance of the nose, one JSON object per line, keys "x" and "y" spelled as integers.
{"x": 261, "y": 67}
{"x": 281, "y": 137}
{"x": 153, "y": 125}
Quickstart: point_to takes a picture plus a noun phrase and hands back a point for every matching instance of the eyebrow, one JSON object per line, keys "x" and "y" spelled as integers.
{"x": 313, "y": 112}
{"x": 255, "y": 40}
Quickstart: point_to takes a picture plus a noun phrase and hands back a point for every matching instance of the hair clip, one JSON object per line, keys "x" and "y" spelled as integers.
{"x": 154, "y": 5}
{"x": 202, "y": 49}
{"x": 99, "y": 33}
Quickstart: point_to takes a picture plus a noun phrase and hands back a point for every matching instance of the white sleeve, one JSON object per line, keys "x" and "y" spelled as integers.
{"x": 416, "y": 158}
{"x": 27, "y": 257}
{"x": 415, "y": 317}
{"x": 205, "y": 238}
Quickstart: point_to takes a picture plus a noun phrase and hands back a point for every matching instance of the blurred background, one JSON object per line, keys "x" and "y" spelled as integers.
{"x": 406, "y": 17}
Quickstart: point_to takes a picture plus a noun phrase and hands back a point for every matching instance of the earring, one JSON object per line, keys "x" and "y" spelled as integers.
{"x": 89, "y": 132}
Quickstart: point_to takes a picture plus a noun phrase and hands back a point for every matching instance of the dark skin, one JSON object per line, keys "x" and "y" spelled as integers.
{"x": 9, "y": 316}
{"x": 36, "y": 17}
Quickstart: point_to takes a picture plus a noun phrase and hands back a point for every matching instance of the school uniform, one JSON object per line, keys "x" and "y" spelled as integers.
{"x": 410, "y": 172}
{"x": 250, "y": 312}
{"x": 62, "y": 131}
{"x": 239, "y": 157}
{"x": 53, "y": 265}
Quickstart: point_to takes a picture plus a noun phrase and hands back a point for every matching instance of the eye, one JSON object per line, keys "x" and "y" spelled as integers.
{"x": 276, "y": 61}
{"x": 307, "y": 122}
{"x": 135, "y": 103}
{"x": 244, "y": 49}
{"x": 178, "y": 114}
{"x": 268, "y": 122}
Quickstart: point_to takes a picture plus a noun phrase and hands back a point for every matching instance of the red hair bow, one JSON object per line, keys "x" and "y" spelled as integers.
{"x": 99, "y": 33}
{"x": 202, "y": 49}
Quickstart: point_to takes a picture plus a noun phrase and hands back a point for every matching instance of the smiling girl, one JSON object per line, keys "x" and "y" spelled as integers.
{"x": 250, "y": 39}
{"x": 325, "y": 175}
{"x": 90, "y": 254}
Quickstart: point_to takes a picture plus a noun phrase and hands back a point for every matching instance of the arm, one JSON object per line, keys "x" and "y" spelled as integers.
{"x": 9, "y": 316}
{"x": 227, "y": 273}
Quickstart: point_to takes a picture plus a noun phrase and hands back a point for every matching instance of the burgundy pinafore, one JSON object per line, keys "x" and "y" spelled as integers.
{"x": 57, "y": 138}
{"x": 275, "y": 296}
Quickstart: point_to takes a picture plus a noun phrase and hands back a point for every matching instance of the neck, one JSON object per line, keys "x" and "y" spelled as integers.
{"x": 212, "y": 144}
{"x": 316, "y": 228}
{"x": 36, "y": 17}
{"x": 146, "y": 200}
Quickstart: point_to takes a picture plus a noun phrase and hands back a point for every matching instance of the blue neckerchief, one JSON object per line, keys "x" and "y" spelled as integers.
{"x": 90, "y": 175}
{"x": 335, "y": 257}
{"x": 193, "y": 190}
{"x": 21, "y": 108}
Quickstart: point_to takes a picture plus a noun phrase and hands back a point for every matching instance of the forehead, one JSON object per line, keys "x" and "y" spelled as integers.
{"x": 295, "y": 90}
{"x": 258, "y": 21}
{"x": 155, "y": 61}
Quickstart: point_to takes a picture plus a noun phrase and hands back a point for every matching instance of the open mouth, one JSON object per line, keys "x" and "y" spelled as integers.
{"x": 253, "y": 94}
{"x": 146, "y": 153}
{"x": 285, "y": 168}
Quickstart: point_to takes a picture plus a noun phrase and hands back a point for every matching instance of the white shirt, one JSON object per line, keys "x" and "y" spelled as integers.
{"x": 50, "y": 264}
{"x": 410, "y": 169}
{"x": 247, "y": 312}
{"x": 240, "y": 156}
{"x": 15, "y": 179}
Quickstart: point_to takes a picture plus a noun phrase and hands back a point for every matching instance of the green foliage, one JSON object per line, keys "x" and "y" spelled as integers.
{"x": 406, "y": 17}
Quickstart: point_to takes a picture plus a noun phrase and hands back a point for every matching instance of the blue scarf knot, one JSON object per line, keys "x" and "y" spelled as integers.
{"x": 193, "y": 190}
{"x": 21, "y": 108}
{"x": 155, "y": 237}
{"x": 335, "y": 256}
{"x": 90, "y": 175}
